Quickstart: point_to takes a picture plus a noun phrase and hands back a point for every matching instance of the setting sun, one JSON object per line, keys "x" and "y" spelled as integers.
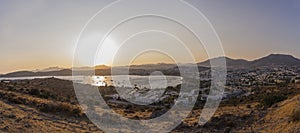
{"x": 106, "y": 52}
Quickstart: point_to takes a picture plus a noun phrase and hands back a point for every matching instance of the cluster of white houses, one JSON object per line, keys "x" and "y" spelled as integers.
{"x": 239, "y": 83}
{"x": 262, "y": 77}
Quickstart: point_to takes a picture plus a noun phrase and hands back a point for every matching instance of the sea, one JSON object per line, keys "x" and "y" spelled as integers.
{"x": 153, "y": 81}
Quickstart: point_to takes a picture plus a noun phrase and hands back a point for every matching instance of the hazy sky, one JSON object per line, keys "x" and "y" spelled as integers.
{"x": 37, "y": 34}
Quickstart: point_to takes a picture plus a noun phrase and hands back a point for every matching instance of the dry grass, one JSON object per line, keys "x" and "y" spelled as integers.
{"x": 43, "y": 105}
{"x": 244, "y": 116}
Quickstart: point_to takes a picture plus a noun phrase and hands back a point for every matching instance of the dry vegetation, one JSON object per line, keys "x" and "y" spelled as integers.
{"x": 295, "y": 117}
{"x": 49, "y": 105}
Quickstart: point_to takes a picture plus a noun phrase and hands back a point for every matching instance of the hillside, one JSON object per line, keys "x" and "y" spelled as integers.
{"x": 236, "y": 63}
{"x": 49, "y": 105}
{"x": 279, "y": 119}
{"x": 158, "y": 66}
{"x": 64, "y": 72}
{"x": 267, "y": 61}
{"x": 276, "y": 60}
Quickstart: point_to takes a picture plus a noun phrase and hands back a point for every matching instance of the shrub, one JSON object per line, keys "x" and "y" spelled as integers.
{"x": 77, "y": 111}
{"x": 45, "y": 94}
{"x": 60, "y": 108}
{"x": 296, "y": 115}
{"x": 270, "y": 100}
{"x": 16, "y": 100}
{"x": 248, "y": 106}
{"x": 34, "y": 92}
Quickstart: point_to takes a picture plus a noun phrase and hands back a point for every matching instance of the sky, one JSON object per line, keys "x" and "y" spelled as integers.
{"x": 36, "y": 34}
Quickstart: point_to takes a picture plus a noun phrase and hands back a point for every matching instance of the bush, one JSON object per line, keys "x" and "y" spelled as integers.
{"x": 270, "y": 100}
{"x": 45, "y": 94}
{"x": 77, "y": 111}
{"x": 296, "y": 115}
{"x": 60, "y": 108}
{"x": 249, "y": 106}
{"x": 35, "y": 92}
{"x": 16, "y": 100}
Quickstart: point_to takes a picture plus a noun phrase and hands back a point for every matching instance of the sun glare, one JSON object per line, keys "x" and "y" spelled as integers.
{"x": 106, "y": 52}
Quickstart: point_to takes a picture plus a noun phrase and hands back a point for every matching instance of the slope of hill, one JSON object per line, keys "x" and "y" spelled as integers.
{"x": 49, "y": 105}
{"x": 276, "y": 60}
{"x": 19, "y": 74}
{"x": 153, "y": 66}
{"x": 64, "y": 72}
{"x": 270, "y": 60}
{"x": 98, "y": 70}
{"x": 278, "y": 120}
{"x": 102, "y": 67}
{"x": 50, "y": 69}
{"x": 229, "y": 62}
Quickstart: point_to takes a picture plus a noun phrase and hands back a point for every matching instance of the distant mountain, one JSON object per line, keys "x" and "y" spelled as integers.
{"x": 19, "y": 74}
{"x": 268, "y": 61}
{"x": 236, "y": 63}
{"x": 98, "y": 70}
{"x": 102, "y": 67}
{"x": 153, "y": 66}
{"x": 88, "y": 68}
{"x": 276, "y": 60}
{"x": 82, "y": 68}
{"x": 50, "y": 69}
{"x": 64, "y": 72}
{"x": 168, "y": 69}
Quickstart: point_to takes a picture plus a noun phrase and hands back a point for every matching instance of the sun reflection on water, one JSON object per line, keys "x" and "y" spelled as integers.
{"x": 99, "y": 81}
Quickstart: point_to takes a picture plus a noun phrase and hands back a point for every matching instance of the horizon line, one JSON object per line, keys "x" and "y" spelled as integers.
{"x": 105, "y": 65}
